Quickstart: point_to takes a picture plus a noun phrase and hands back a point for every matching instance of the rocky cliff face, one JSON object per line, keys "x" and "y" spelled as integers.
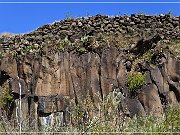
{"x": 92, "y": 57}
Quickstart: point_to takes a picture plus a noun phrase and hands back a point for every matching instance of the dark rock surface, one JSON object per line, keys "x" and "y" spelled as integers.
{"x": 49, "y": 77}
{"x": 137, "y": 26}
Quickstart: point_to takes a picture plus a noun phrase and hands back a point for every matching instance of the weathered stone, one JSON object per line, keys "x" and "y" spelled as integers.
{"x": 150, "y": 100}
{"x": 108, "y": 70}
{"x": 146, "y": 44}
{"x": 121, "y": 74}
{"x": 51, "y": 104}
{"x": 148, "y": 78}
{"x": 135, "y": 107}
{"x": 9, "y": 66}
{"x": 172, "y": 98}
{"x": 24, "y": 112}
{"x": 158, "y": 79}
{"x": 175, "y": 87}
{"x": 128, "y": 65}
{"x": 173, "y": 71}
{"x": 18, "y": 85}
{"x": 98, "y": 70}
{"x": 80, "y": 24}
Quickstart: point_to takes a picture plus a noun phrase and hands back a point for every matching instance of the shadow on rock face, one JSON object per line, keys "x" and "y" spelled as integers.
{"x": 3, "y": 77}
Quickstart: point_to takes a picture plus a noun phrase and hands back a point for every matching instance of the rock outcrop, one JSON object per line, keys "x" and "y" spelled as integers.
{"x": 49, "y": 78}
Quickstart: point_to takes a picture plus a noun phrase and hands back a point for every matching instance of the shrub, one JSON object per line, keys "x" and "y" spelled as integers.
{"x": 63, "y": 44}
{"x": 82, "y": 50}
{"x": 168, "y": 123}
{"x": 135, "y": 81}
{"x": 174, "y": 47}
{"x": 171, "y": 121}
{"x": 85, "y": 39}
{"x": 1, "y": 54}
{"x": 5, "y": 97}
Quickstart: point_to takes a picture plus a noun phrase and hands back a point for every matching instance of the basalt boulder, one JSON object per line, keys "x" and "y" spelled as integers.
{"x": 88, "y": 58}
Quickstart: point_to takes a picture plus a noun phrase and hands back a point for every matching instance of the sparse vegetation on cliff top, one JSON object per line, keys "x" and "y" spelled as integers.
{"x": 97, "y": 54}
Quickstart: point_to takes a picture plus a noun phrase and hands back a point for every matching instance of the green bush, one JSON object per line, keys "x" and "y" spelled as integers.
{"x": 135, "y": 81}
{"x": 169, "y": 123}
{"x": 1, "y": 54}
{"x": 5, "y": 97}
{"x": 62, "y": 44}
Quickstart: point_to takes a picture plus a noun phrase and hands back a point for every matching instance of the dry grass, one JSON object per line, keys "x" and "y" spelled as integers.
{"x": 175, "y": 47}
{"x": 108, "y": 120}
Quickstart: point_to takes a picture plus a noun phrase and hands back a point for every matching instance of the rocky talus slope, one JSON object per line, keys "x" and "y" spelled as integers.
{"x": 88, "y": 58}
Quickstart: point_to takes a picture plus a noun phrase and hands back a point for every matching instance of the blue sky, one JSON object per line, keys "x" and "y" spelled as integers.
{"x": 22, "y": 18}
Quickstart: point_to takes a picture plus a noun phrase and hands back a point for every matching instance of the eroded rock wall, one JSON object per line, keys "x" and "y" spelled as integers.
{"x": 50, "y": 80}
{"x": 78, "y": 76}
